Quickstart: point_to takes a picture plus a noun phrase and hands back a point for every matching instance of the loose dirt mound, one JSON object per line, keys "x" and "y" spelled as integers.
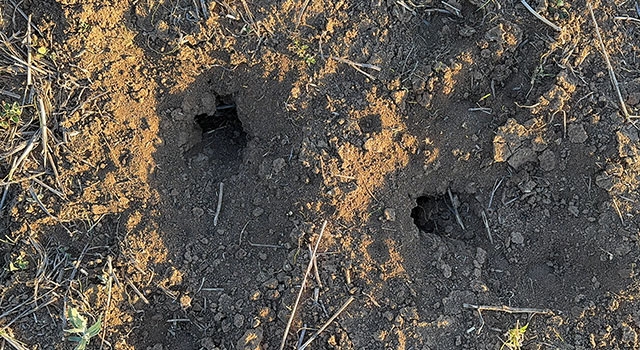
{"x": 170, "y": 164}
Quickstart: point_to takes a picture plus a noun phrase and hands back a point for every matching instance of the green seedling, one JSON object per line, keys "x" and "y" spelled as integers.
{"x": 515, "y": 337}
{"x": 302, "y": 50}
{"x": 19, "y": 263}
{"x": 80, "y": 333}
{"x": 9, "y": 114}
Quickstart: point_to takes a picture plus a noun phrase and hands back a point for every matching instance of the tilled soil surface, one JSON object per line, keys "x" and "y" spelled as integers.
{"x": 474, "y": 168}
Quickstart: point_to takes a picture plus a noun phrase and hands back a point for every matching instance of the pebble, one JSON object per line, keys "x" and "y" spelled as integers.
{"x": 258, "y": 211}
{"x": 250, "y": 340}
{"x": 576, "y": 133}
{"x": 390, "y": 214}
{"x": 573, "y": 210}
{"x": 521, "y": 156}
{"x": 278, "y": 164}
{"x": 197, "y": 212}
{"x": 517, "y": 238}
{"x": 207, "y": 343}
{"x": 547, "y": 160}
{"x": 446, "y": 270}
{"x": 255, "y": 295}
{"x": 272, "y": 295}
{"x": 481, "y": 255}
{"x": 238, "y": 320}
{"x": 271, "y": 283}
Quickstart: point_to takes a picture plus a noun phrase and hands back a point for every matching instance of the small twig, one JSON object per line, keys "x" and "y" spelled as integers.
{"x": 508, "y": 309}
{"x": 612, "y": 74}
{"x": 24, "y": 154}
{"x": 350, "y": 62}
{"x": 175, "y": 320}
{"x": 455, "y": 209}
{"x": 304, "y": 8}
{"x": 205, "y": 10}
{"x": 18, "y": 345}
{"x": 627, "y": 18}
{"x": 480, "y": 109}
{"x": 302, "y": 333}
{"x": 37, "y": 200}
{"x": 106, "y": 309}
{"x": 26, "y": 17}
{"x": 615, "y": 205}
{"x": 219, "y": 207}
{"x": 315, "y": 269}
{"x": 493, "y": 191}
{"x": 242, "y": 232}
{"x": 137, "y": 291}
{"x": 264, "y": 245}
{"x": 56, "y": 192}
{"x": 356, "y": 66}
{"x": 29, "y": 75}
{"x": 326, "y": 324}
{"x": 455, "y": 10}
{"x": 539, "y": 16}
{"x": 304, "y": 282}
{"x": 486, "y": 226}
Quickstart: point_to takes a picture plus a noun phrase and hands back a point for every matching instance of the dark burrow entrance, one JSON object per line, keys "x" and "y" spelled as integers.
{"x": 448, "y": 215}
{"x": 223, "y": 137}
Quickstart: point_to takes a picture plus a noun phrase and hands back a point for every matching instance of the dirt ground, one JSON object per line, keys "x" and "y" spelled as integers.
{"x": 169, "y": 166}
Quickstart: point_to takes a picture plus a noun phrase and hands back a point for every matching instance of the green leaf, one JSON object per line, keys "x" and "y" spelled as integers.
{"x": 95, "y": 328}
{"x": 75, "y": 330}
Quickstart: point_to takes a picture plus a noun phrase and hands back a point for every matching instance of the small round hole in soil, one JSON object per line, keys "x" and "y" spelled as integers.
{"x": 222, "y": 130}
{"x": 436, "y": 214}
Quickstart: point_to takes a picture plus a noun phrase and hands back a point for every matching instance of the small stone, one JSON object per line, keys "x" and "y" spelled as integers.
{"x": 605, "y": 181}
{"x": 278, "y": 164}
{"x": 197, "y": 212}
{"x": 521, "y": 156}
{"x": 390, "y": 214}
{"x": 258, "y": 211}
{"x": 517, "y": 238}
{"x": 410, "y": 313}
{"x": 573, "y": 210}
{"x": 446, "y": 270}
{"x": 527, "y": 186}
{"x": 481, "y": 255}
{"x": 267, "y": 314}
{"x": 576, "y": 133}
{"x": 238, "y": 320}
{"x": 240, "y": 253}
{"x": 547, "y": 160}
{"x": 380, "y": 335}
{"x": 629, "y": 336}
{"x": 185, "y": 301}
{"x": 250, "y": 340}
{"x": 388, "y": 315}
{"x": 633, "y": 98}
{"x": 271, "y": 283}
{"x": 255, "y": 295}
{"x": 272, "y": 295}
{"x": 479, "y": 287}
{"x": 207, "y": 344}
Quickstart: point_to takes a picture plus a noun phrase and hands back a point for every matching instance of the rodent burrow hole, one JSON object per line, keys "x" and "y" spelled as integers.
{"x": 447, "y": 214}
{"x": 222, "y": 129}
